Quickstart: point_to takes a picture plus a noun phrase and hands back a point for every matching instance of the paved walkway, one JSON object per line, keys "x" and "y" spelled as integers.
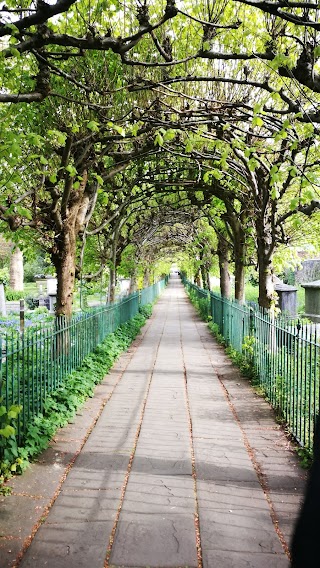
{"x": 175, "y": 462}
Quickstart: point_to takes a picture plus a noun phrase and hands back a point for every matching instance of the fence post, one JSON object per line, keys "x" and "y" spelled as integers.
{"x": 251, "y": 321}
{"x": 21, "y": 316}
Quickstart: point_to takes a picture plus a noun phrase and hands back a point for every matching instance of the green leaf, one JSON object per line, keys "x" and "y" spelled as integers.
{"x": 294, "y": 203}
{"x": 59, "y": 138}
{"x": 135, "y": 129}
{"x": 16, "y": 408}
{"x": 189, "y": 146}
{"x": 309, "y": 194}
{"x": 158, "y": 139}
{"x": 24, "y": 212}
{"x": 258, "y": 108}
{"x": 3, "y": 410}
{"x": 7, "y": 431}
{"x": 170, "y": 134}
{"x": 99, "y": 179}
{"x": 36, "y": 139}
{"x": 93, "y": 126}
{"x": 12, "y": 28}
{"x": 53, "y": 178}
{"x": 281, "y": 135}
{"x": 217, "y": 174}
{"x": 257, "y": 121}
{"x": 117, "y": 128}
{"x": 309, "y": 130}
{"x": 15, "y": 52}
{"x": 71, "y": 169}
{"x": 253, "y": 164}
{"x": 12, "y": 414}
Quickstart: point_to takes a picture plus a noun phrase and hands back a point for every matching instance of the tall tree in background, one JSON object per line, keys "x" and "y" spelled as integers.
{"x": 16, "y": 269}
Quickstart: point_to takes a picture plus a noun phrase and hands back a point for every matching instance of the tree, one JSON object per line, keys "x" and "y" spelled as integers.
{"x": 16, "y": 269}
{"x": 203, "y": 116}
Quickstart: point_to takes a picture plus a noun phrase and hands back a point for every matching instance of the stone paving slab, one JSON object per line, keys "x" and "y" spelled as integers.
{"x": 218, "y": 558}
{"x": 72, "y": 543}
{"x": 155, "y": 540}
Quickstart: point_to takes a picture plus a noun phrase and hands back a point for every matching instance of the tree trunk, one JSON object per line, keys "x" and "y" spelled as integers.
{"x": 70, "y": 219}
{"x": 223, "y": 255}
{"x": 239, "y": 291}
{"x": 3, "y": 310}
{"x": 237, "y": 223}
{"x": 147, "y": 277}
{"x": 266, "y": 286}
{"x": 133, "y": 281}
{"x": 112, "y": 284}
{"x": 64, "y": 261}
{"x": 208, "y": 280}
{"x": 16, "y": 269}
{"x": 203, "y": 277}
{"x": 197, "y": 280}
{"x": 239, "y": 273}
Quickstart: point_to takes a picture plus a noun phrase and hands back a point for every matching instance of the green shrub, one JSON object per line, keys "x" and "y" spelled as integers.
{"x": 11, "y": 460}
{"x": 14, "y": 295}
{"x": 4, "y": 276}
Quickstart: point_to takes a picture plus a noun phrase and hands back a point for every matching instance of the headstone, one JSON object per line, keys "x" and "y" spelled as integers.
{"x": 3, "y": 310}
{"x": 52, "y": 286}
{"x": 41, "y": 285}
{"x": 52, "y": 292}
{"x": 287, "y": 298}
{"x": 312, "y": 300}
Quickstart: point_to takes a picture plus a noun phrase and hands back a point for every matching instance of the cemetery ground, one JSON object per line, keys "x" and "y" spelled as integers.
{"x": 174, "y": 462}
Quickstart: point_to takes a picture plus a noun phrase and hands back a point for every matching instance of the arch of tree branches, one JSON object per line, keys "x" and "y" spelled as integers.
{"x": 158, "y": 127}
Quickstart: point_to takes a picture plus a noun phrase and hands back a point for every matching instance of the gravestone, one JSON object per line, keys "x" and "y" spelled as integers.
{"x": 287, "y": 298}
{"x": 312, "y": 300}
{"x": 52, "y": 292}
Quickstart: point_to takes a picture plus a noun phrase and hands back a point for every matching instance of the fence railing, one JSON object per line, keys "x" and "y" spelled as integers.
{"x": 36, "y": 362}
{"x": 283, "y": 352}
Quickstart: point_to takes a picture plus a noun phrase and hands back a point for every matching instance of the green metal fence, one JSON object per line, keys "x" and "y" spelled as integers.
{"x": 148, "y": 295}
{"x": 201, "y": 296}
{"x": 37, "y": 362}
{"x": 283, "y": 353}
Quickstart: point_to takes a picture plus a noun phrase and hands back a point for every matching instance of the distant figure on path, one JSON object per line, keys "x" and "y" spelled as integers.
{"x": 305, "y": 545}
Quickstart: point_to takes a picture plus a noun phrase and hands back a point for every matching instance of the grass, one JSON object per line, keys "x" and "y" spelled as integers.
{"x": 31, "y": 289}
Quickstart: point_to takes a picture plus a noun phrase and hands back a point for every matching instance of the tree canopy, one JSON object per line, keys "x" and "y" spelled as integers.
{"x": 163, "y": 126}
